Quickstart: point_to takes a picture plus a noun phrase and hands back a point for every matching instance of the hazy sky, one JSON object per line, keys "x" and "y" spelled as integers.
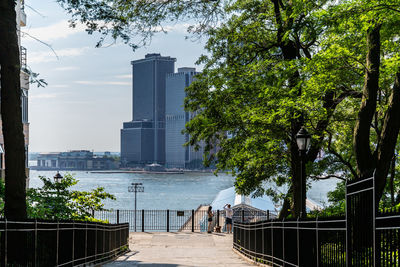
{"x": 89, "y": 90}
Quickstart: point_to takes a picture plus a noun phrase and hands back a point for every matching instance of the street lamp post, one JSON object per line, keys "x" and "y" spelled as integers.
{"x": 136, "y": 187}
{"x": 57, "y": 179}
{"x": 303, "y": 139}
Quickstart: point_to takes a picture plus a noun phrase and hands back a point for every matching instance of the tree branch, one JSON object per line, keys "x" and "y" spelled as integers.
{"x": 341, "y": 159}
{"x": 327, "y": 177}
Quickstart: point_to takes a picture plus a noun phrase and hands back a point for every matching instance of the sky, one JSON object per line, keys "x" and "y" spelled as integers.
{"x": 89, "y": 91}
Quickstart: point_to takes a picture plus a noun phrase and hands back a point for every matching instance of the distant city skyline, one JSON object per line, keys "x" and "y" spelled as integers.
{"x": 89, "y": 92}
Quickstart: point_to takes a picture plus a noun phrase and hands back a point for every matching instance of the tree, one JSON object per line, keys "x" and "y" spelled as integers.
{"x": 368, "y": 35}
{"x": 380, "y": 27}
{"x": 264, "y": 50}
{"x": 57, "y": 201}
{"x": 126, "y": 19}
{"x": 275, "y": 66}
{"x": 14, "y": 146}
{"x": 260, "y": 73}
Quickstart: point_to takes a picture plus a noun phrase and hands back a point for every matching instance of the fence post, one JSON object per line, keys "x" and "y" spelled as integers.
{"x": 142, "y": 220}
{"x": 376, "y": 256}
{"x": 316, "y": 240}
{"x": 283, "y": 240}
{"x": 104, "y": 242}
{"x": 242, "y": 216}
{"x": 110, "y": 246}
{"x": 298, "y": 242}
{"x": 348, "y": 230}
{"x": 58, "y": 226}
{"x": 35, "y": 253}
{"x": 192, "y": 220}
{"x": 272, "y": 242}
{"x": 95, "y": 243}
{"x": 167, "y": 220}
{"x": 117, "y": 216}
{"x": 5, "y": 241}
{"x": 73, "y": 243}
{"x": 267, "y": 214}
{"x": 217, "y": 218}
{"x": 86, "y": 241}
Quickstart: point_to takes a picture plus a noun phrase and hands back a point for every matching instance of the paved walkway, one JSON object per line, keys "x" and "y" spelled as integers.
{"x": 180, "y": 249}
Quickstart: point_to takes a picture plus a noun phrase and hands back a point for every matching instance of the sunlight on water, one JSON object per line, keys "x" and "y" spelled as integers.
{"x": 161, "y": 191}
{"x": 165, "y": 191}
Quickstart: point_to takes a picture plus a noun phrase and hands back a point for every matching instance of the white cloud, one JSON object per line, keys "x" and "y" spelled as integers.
{"x": 124, "y": 76}
{"x": 48, "y": 56}
{"x": 59, "y": 30}
{"x": 102, "y": 83}
{"x": 176, "y": 28}
{"x": 67, "y": 68}
{"x": 59, "y": 85}
{"x": 42, "y": 96}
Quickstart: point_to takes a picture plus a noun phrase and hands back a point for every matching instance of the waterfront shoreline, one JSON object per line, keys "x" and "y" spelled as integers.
{"x": 142, "y": 172}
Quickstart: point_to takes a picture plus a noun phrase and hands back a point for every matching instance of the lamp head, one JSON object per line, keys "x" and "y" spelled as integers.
{"x": 58, "y": 177}
{"x": 303, "y": 139}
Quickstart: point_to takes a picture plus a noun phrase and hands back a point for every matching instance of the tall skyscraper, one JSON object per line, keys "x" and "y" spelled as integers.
{"x": 143, "y": 138}
{"x": 177, "y": 155}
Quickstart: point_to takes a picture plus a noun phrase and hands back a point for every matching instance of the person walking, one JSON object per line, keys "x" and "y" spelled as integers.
{"x": 210, "y": 219}
{"x": 228, "y": 218}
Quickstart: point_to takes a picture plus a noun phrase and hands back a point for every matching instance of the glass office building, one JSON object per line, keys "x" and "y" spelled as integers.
{"x": 178, "y": 155}
{"x": 143, "y": 138}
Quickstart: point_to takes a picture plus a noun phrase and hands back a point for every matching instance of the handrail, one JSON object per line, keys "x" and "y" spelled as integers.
{"x": 61, "y": 243}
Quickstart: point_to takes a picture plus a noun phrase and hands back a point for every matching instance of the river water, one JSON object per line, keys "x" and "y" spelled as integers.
{"x": 163, "y": 191}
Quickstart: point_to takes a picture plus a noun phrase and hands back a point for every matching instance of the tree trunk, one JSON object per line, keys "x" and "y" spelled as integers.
{"x": 14, "y": 146}
{"x": 361, "y": 140}
{"x": 392, "y": 173}
{"x": 389, "y": 136}
{"x": 379, "y": 160}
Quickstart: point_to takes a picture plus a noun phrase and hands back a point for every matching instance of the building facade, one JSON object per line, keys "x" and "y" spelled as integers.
{"x": 178, "y": 155}
{"x": 143, "y": 138}
{"x": 24, "y": 80}
{"x": 74, "y": 160}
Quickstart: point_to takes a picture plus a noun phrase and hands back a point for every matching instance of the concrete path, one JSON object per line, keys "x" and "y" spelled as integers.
{"x": 180, "y": 249}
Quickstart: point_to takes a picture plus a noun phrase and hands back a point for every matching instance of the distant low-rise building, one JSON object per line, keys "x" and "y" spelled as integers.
{"x": 74, "y": 160}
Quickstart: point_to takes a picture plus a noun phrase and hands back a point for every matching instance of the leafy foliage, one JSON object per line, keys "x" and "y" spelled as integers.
{"x": 274, "y": 66}
{"x": 135, "y": 22}
{"x": 57, "y": 201}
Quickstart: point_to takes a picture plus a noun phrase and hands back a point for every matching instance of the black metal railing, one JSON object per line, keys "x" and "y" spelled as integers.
{"x": 360, "y": 215}
{"x": 365, "y": 237}
{"x": 177, "y": 220}
{"x": 64, "y": 243}
{"x": 308, "y": 242}
{"x": 158, "y": 220}
{"x": 387, "y": 235}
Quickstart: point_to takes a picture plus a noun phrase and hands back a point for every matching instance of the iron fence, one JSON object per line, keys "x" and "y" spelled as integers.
{"x": 308, "y": 242}
{"x": 177, "y": 220}
{"x": 360, "y": 215}
{"x": 364, "y": 237}
{"x": 387, "y": 235}
{"x": 64, "y": 243}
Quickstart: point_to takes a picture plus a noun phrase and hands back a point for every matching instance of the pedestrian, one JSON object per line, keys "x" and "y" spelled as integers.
{"x": 228, "y": 218}
{"x": 210, "y": 218}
